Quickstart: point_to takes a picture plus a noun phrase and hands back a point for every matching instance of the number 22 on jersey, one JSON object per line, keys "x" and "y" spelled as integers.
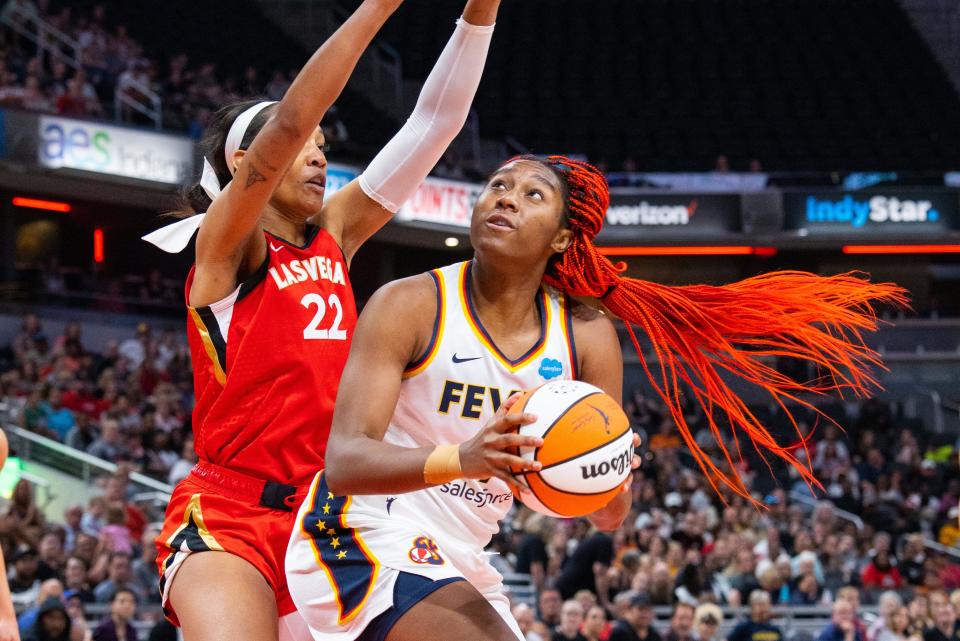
{"x": 313, "y": 331}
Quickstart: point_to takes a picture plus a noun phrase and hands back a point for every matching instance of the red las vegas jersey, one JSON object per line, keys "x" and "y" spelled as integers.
{"x": 267, "y": 361}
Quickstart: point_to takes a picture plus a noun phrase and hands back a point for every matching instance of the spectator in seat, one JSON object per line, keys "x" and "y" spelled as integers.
{"x": 757, "y": 626}
{"x": 115, "y": 532}
{"x": 72, "y": 518}
{"x": 851, "y": 594}
{"x": 24, "y": 585}
{"x": 83, "y": 434}
{"x": 842, "y": 625}
{"x": 880, "y": 573}
{"x": 707, "y": 619}
{"x": 73, "y": 102}
{"x": 49, "y": 589}
{"x": 888, "y": 603}
{"x": 52, "y": 559}
{"x": 116, "y": 626}
{"x": 109, "y": 445}
{"x": 944, "y": 621}
{"x": 591, "y": 558}
{"x": 594, "y": 624}
{"x": 59, "y": 419}
{"x": 550, "y": 605}
{"x": 919, "y": 612}
{"x": 896, "y": 627}
{"x": 912, "y": 560}
{"x": 571, "y": 618}
{"x": 23, "y": 521}
{"x": 531, "y": 552}
{"x": 527, "y": 622}
{"x": 119, "y": 577}
{"x": 636, "y": 623}
{"x": 806, "y": 591}
{"x": 145, "y": 566}
{"x": 75, "y": 578}
{"x": 53, "y": 623}
{"x": 681, "y": 624}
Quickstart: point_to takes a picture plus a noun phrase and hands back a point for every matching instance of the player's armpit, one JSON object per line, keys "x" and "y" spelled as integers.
{"x": 598, "y": 349}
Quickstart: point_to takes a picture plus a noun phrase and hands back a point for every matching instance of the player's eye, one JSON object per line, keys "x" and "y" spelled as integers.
{"x": 536, "y": 194}
{"x": 498, "y": 184}
{"x": 324, "y": 147}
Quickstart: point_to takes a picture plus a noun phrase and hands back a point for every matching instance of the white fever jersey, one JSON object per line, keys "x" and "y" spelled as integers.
{"x": 450, "y": 393}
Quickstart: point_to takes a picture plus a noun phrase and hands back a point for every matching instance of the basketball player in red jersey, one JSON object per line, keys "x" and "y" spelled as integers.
{"x": 402, "y": 446}
{"x": 271, "y": 314}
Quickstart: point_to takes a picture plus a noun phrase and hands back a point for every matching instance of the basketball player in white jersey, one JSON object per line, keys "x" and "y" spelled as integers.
{"x": 417, "y": 474}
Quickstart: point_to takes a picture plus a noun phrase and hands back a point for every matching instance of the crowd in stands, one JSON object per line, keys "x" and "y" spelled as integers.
{"x": 190, "y": 90}
{"x": 684, "y": 548}
{"x": 129, "y": 404}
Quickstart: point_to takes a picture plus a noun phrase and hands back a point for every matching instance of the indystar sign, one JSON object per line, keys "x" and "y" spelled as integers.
{"x": 878, "y": 209}
{"x": 889, "y": 210}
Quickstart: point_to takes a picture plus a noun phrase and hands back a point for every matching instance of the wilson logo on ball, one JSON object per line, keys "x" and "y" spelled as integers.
{"x": 586, "y": 452}
{"x": 617, "y": 464}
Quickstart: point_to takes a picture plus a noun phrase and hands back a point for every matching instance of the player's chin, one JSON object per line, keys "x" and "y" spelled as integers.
{"x": 310, "y": 203}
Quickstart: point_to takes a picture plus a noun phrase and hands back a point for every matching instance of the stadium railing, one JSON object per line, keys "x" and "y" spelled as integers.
{"x": 80, "y": 465}
{"x": 23, "y": 19}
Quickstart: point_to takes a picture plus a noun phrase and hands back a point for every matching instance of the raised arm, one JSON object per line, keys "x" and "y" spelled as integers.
{"x": 356, "y": 212}
{"x": 224, "y": 239}
{"x": 393, "y": 331}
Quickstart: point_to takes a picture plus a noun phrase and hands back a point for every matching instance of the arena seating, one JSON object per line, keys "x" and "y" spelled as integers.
{"x": 842, "y": 84}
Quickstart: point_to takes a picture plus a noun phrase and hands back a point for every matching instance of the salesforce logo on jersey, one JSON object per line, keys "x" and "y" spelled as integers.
{"x": 900, "y": 210}
{"x": 114, "y": 151}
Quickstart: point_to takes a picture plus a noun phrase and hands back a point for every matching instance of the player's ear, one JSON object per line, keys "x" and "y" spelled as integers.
{"x": 561, "y": 241}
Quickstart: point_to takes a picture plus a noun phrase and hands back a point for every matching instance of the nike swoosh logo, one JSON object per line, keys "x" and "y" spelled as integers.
{"x": 457, "y": 359}
{"x": 275, "y": 248}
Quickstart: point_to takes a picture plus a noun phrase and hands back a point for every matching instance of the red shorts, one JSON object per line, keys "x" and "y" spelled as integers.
{"x": 218, "y": 509}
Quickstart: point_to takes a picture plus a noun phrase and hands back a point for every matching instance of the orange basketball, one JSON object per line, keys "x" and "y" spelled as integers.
{"x": 586, "y": 452}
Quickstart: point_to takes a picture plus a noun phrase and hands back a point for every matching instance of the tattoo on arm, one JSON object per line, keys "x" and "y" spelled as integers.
{"x": 264, "y": 161}
{"x": 253, "y": 176}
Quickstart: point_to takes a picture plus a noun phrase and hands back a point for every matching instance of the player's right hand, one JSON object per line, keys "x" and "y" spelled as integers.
{"x": 486, "y": 454}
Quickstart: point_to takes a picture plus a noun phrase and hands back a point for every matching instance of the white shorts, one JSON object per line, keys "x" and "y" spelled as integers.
{"x": 342, "y": 577}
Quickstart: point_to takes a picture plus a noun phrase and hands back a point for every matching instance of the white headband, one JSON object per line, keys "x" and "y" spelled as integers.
{"x": 209, "y": 180}
{"x": 175, "y": 237}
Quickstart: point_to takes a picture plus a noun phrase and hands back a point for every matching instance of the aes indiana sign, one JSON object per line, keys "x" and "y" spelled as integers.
{"x": 114, "y": 151}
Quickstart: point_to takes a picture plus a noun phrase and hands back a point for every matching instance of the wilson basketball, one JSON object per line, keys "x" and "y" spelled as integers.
{"x": 586, "y": 452}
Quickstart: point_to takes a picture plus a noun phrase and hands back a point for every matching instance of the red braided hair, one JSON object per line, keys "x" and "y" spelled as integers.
{"x": 701, "y": 331}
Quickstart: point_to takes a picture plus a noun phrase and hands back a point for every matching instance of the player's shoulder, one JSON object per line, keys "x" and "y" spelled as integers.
{"x": 413, "y": 288}
{"x": 406, "y": 297}
{"x": 588, "y": 319}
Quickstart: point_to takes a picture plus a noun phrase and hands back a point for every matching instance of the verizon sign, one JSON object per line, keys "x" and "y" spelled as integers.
{"x": 686, "y": 214}
{"x": 647, "y": 214}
